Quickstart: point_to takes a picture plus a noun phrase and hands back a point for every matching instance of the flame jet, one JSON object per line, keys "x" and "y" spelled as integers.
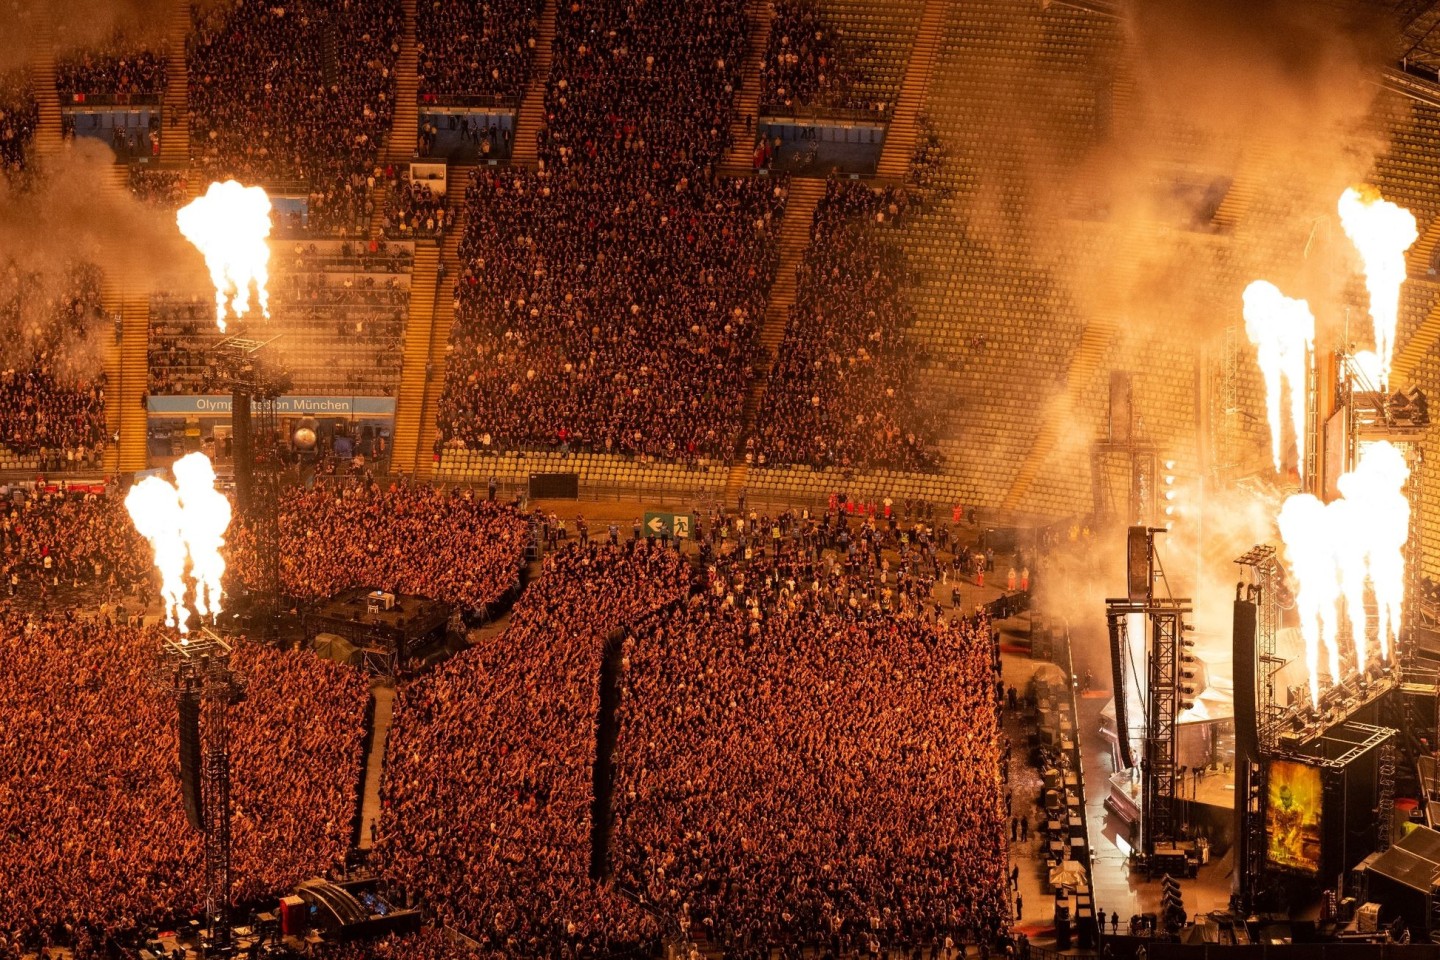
{"x": 1381, "y": 232}
{"x": 229, "y": 225}
{"x": 1283, "y": 332}
{"x": 154, "y": 507}
{"x": 205, "y": 516}
{"x": 185, "y": 525}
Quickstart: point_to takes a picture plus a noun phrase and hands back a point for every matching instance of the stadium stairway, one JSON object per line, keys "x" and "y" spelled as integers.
{"x": 800, "y": 206}
{"x": 1232, "y": 210}
{"x": 175, "y": 108}
{"x": 740, "y": 160}
{"x": 405, "y": 121}
{"x": 134, "y": 378}
{"x": 444, "y": 319}
{"x": 532, "y": 104}
{"x": 902, "y": 134}
{"x": 1094, "y": 343}
{"x": 416, "y": 352}
{"x": 126, "y": 358}
{"x": 48, "y": 136}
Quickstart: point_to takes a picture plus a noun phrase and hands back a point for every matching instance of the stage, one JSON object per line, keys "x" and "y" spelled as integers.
{"x": 382, "y": 632}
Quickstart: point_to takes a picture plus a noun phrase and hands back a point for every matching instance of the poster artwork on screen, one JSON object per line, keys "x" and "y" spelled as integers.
{"x": 1292, "y": 816}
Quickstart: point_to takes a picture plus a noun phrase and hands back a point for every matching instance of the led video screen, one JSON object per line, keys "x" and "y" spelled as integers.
{"x": 1292, "y": 816}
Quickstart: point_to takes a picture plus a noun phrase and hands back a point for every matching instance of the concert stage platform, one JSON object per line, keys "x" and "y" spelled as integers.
{"x": 382, "y": 632}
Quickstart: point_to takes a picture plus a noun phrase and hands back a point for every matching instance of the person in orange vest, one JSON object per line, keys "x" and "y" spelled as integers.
{"x": 956, "y": 512}
{"x": 1025, "y": 580}
{"x": 1010, "y": 581}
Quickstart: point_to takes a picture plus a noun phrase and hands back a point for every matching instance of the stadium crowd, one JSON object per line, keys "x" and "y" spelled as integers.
{"x": 96, "y": 841}
{"x": 121, "y": 66}
{"x": 415, "y": 211}
{"x": 610, "y": 299}
{"x": 53, "y": 539}
{"x": 52, "y": 392}
{"x": 345, "y": 533}
{"x": 782, "y": 777}
{"x": 164, "y": 188}
{"x": 487, "y": 801}
{"x": 475, "y": 50}
{"x": 808, "y": 63}
{"x": 837, "y": 395}
{"x": 19, "y": 116}
{"x": 303, "y": 92}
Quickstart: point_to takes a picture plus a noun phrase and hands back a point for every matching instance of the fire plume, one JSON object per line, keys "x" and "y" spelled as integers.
{"x": 1283, "y": 332}
{"x": 1336, "y": 551}
{"x": 229, "y": 225}
{"x": 185, "y": 525}
{"x": 1381, "y": 232}
{"x": 154, "y": 507}
{"x": 205, "y": 516}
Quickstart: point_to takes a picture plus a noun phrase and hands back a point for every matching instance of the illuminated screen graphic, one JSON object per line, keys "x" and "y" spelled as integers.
{"x": 1292, "y": 816}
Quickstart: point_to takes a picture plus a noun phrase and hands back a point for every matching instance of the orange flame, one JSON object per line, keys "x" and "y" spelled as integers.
{"x": 1381, "y": 232}
{"x": 229, "y": 225}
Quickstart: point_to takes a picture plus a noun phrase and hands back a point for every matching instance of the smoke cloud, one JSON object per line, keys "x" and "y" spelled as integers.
{"x": 74, "y": 212}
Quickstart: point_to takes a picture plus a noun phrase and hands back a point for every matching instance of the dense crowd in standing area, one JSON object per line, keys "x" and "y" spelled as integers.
{"x": 121, "y": 66}
{"x": 55, "y": 539}
{"x": 840, "y": 393}
{"x": 487, "y": 801}
{"x": 809, "y": 63}
{"x": 475, "y": 49}
{"x": 784, "y": 776}
{"x": 302, "y": 91}
{"x": 430, "y": 943}
{"x": 97, "y": 844}
{"x": 610, "y": 300}
{"x": 52, "y": 387}
{"x": 19, "y": 116}
{"x": 455, "y": 546}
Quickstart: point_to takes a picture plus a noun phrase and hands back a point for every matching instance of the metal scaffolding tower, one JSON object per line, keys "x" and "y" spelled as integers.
{"x": 199, "y": 665}
{"x": 255, "y": 389}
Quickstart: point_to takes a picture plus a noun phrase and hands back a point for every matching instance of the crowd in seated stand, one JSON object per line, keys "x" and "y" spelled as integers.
{"x": 455, "y": 547}
{"x": 610, "y": 300}
{"x": 52, "y": 392}
{"x": 415, "y": 211}
{"x": 122, "y": 66}
{"x": 501, "y": 739}
{"x": 475, "y": 50}
{"x": 164, "y": 188}
{"x": 782, "y": 775}
{"x": 19, "y": 116}
{"x": 97, "y": 845}
{"x": 302, "y": 92}
{"x": 841, "y": 392}
{"x": 808, "y": 63}
{"x": 55, "y": 539}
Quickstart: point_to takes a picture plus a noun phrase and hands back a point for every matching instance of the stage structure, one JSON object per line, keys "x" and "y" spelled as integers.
{"x": 256, "y": 386}
{"x": 1164, "y": 695}
{"x": 1257, "y": 715}
{"x": 1123, "y": 460}
{"x": 205, "y": 687}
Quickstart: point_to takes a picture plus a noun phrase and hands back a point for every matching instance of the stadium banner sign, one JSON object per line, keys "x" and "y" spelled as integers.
{"x": 675, "y": 525}
{"x": 218, "y": 405}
